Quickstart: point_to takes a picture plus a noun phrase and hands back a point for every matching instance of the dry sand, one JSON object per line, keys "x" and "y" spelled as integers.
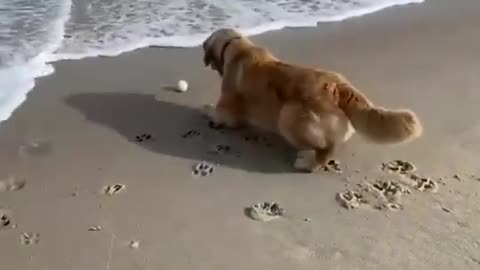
{"x": 76, "y": 135}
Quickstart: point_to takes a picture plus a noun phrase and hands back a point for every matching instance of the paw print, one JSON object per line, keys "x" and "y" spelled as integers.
{"x": 351, "y": 199}
{"x": 30, "y": 238}
{"x": 424, "y": 183}
{"x": 191, "y": 133}
{"x": 143, "y": 137}
{"x": 332, "y": 166}
{"x": 265, "y": 211}
{"x": 399, "y": 166}
{"x": 113, "y": 189}
{"x": 219, "y": 149}
{"x": 203, "y": 169}
{"x": 4, "y": 220}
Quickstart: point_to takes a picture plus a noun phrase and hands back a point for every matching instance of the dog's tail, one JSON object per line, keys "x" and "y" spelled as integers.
{"x": 379, "y": 125}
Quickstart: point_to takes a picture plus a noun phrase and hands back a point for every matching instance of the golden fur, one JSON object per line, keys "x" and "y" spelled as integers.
{"x": 312, "y": 109}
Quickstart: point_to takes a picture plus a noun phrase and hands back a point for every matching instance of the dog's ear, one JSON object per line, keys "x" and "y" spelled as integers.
{"x": 208, "y": 51}
{"x": 207, "y": 57}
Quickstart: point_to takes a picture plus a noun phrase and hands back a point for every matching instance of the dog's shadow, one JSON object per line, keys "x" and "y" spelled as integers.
{"x": 180, "y": 131}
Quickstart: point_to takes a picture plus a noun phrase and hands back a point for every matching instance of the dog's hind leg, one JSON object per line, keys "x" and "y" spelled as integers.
{"x": 313, "y": 160}
{"x": 323, "y": 155}
{"x": 307, "y": 133}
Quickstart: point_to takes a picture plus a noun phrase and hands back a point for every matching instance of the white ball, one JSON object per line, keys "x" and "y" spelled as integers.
{"x": 182, "y": 86}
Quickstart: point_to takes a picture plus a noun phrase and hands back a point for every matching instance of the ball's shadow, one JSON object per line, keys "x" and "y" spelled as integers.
{"x": 182, "y": 131}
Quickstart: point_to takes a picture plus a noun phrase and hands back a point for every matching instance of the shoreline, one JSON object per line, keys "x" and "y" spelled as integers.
{"x": 41, "y": 65}
{"x": 76, "y": 133}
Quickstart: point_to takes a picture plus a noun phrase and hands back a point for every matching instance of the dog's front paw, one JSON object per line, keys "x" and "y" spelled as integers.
{"x": 215, "y": 125}
{"x": 305, "y": 161}
{"x": 210, "y": 113}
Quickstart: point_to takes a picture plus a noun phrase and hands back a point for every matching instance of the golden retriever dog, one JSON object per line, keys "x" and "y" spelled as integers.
{"x": 314, "y": 110}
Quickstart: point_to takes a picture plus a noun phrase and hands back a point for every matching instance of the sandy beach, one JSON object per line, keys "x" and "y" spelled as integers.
{"x": 106, "y": 121}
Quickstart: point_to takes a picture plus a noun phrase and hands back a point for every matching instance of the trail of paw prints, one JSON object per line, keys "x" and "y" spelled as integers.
{"x": 191, "y": 134}
{"x": 265, "y": 211}
{"x": 407, "y": 170}
{"x": 387, "y": 193}
{"x": 203, "y": 169}
{"x": 12, "y": 184}
{"x": 143, "y": 137}
{"x": 29, "y": 238}
{"x": 113, "y": 189}
{"x": 381, "y": 195}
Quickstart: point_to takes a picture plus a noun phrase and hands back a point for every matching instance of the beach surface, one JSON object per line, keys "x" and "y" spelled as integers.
{"x": 96, "y": 166}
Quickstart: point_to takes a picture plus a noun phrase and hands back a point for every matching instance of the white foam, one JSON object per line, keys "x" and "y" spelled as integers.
{"x": 133, "y": 25}
{"x": 18, "y": 75}
{"x": 16, "y": 82}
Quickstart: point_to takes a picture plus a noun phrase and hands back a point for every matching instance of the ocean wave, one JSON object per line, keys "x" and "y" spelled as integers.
{"x": 32, "y": 31}
{"x": 109, "y": 28}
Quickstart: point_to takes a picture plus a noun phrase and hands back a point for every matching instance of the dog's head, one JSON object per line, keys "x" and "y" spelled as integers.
{"x": 215, "y": 45}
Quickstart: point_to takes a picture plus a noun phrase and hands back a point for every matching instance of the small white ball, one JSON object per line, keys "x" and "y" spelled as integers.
{"x": 182, "y": 86}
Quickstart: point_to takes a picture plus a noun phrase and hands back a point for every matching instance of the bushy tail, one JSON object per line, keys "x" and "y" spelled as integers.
{"x": 379, "y": 125}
